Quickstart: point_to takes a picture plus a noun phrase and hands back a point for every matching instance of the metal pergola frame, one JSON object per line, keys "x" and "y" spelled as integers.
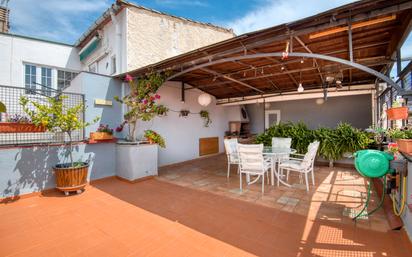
{"x": 353, "y": 64}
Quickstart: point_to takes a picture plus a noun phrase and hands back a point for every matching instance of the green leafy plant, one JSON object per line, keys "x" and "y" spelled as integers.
{"x": 333, "y": 142}
{"x": 184, "y": 113}
{"x": 155, "y": 137}
{"x": 396, "y": 134}
{"x": 397, "y": 103}
{"x": 205, "y": 115}
{"x": 55, "y": 116}
{"x": 141, "y": 101}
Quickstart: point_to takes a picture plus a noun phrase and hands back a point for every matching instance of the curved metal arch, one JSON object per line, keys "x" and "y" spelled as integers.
{"x": 296, "y": 54}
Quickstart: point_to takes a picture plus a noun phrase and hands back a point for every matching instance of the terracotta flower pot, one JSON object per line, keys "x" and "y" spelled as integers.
{"x": 398, "y": 113}
{"x": 101, "y": 136}
{"x": 70, "y": 179}
{"x": 151, "y": 141}
{"x": 15, "y": 127}
{"x": 405, "y": 145}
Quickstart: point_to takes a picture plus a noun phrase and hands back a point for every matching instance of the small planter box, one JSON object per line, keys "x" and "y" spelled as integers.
{"x": 14, "y": 127}
{"x": 100, "y": 136}
{"x": 405, "y": 145}
{"x": 398, "y": 113}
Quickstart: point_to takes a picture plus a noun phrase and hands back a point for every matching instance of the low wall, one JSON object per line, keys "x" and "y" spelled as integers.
{"x": 29, "y": 169}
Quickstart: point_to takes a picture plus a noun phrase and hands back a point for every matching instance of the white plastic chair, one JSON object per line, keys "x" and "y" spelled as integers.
{"x": 282, "y": 142}
{"x": 303, "y": 165}
{"x": 231, "y": 153}
{"x": 252, "y": 163}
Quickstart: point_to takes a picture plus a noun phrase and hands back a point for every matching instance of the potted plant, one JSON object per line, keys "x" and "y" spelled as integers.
{"x": 205, "y": 115}
{"x": 136, "y": 161}
{"x": 20, "y": 124}
{"x": 403, "y": 138}
{"x": 154, "y": 138}
{"x": 103, "y": 133}
{"x": 55, "y": 116}
{"x": 397, "y": 111}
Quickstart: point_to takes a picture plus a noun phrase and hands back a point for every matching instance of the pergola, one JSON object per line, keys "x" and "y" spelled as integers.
{"x": 351, "y": 45}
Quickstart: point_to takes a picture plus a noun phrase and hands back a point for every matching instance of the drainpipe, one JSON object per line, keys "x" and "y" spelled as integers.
{"x": 117, "y": 42}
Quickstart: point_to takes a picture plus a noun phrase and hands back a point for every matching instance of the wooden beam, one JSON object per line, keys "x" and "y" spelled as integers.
{"x": 232, "y": 79}
{"x": 278, "y": 62}
{"x": 266, "y": 76}
{"x": 354, "y": 26}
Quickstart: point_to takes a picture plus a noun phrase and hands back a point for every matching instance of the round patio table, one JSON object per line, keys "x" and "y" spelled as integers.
{"x": 277, "y": 153}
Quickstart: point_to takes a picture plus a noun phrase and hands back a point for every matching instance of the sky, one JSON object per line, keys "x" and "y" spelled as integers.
{"x": 66, "y": 20}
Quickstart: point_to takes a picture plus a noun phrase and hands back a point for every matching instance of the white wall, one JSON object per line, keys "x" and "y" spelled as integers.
{"x": 110, "y": 47}
{"x": 182, "y": 134}
{"x": 15, "y": 51}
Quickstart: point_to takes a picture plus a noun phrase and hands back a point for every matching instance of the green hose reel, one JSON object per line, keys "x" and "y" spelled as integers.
{"x": 372, "y": 164}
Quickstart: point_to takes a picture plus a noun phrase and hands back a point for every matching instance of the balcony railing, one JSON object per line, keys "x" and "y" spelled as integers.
{"x": 10, "y": 97}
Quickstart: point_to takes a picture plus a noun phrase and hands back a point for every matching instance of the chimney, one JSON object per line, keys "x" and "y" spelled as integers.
{"x": 4, "y": 17}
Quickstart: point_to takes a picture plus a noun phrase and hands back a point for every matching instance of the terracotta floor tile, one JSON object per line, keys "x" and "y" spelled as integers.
{"x": 194, "y": 210}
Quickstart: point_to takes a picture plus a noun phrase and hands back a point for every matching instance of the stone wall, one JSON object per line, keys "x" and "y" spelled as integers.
{"x": 152, "y": 37}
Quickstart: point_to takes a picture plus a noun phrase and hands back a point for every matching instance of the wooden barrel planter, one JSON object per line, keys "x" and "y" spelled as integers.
{"x": 398, "y": 113}
{"x": 15, "y": 127}
{"x": 69, "y": 179}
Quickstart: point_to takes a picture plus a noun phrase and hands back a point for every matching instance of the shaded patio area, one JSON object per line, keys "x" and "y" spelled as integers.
{"x": 158, "y": 217}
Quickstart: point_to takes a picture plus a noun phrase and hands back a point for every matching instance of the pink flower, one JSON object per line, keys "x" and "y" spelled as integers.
{"x": 145, "y": 101}
{"x": 157, "y": 96}
{"x": 128, "y": 78}
{"x": 119, "y": 128}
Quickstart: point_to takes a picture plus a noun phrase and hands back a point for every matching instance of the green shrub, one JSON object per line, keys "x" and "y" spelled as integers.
{"x": 333, "y": 142}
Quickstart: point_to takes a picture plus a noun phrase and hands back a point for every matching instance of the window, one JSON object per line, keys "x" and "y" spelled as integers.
{"x": 46, "y": 80}
{"x": 30, "y": 79}
{"x": 64, "y": 78}
{"x": 113, "y": 64}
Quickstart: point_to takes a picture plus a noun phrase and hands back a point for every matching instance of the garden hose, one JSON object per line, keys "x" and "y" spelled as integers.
{"x": 403, "y": 199}
{"x": 361, "y": 213}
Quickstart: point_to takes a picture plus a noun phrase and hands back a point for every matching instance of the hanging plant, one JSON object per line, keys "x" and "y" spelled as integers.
{"x": 184, "y": 113}
{"x": 205, "y": 115}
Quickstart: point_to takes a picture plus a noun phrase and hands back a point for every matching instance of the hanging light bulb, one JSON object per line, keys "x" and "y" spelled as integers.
{"x": 302, "y": 61}
{"x": 300, "y": 88}
{"x": 282, "y": 68}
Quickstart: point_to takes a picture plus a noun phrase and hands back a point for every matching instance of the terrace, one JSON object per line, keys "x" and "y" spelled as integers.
{"x": 141, "y": 200}
{"x": 194, "y": 210}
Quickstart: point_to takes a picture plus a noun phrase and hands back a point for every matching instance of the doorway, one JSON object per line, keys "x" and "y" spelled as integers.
{"x": 272, "y": 117}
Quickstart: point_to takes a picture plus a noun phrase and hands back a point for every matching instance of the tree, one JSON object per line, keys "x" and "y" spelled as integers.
{"x": 56, "y": 116}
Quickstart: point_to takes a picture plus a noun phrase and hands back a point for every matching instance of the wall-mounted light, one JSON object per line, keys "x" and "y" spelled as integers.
{"x": 320, "y": 101}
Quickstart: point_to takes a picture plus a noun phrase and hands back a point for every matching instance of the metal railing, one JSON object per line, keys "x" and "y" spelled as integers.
{"x": 390, "y": 94}
{"x": 10, "y": 97}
